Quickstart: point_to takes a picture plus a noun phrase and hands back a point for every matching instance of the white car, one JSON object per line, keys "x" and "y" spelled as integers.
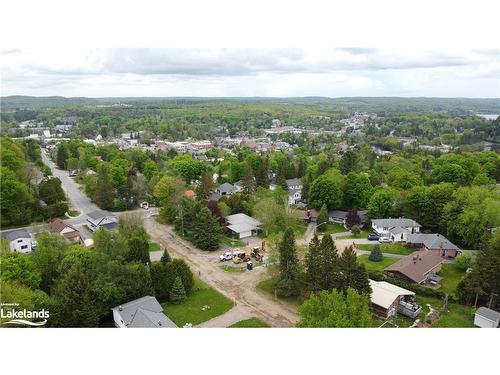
{"x": 385, "y": 239}
{"x": 226, "y": 256}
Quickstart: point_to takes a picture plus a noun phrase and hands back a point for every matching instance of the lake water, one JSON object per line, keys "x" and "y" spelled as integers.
{"x": 487, "y": 116}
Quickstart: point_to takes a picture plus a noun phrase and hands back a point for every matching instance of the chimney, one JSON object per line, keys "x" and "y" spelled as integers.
{"x": 120, "y": 308}
{"x": 159, "y": 323}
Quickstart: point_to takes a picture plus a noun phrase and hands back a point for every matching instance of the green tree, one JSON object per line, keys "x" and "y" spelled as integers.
{"x": 50, "y": 191}
{"x": 289, "y": 283}
{"x": 48, "y": 256}
{"x": 329, "y": 264}
{"x": 168, "y": 192}
{"x": 348, "y": 162}
{"x": 165, "y": 258}
{"x": 262, "y": 173}
{"x": 376, "y": 254}
{"x": 62, "y": 155}
{"x": 313, "y": 264}
{"x": 207, "y": 230}
{"x": 138, "y": 247}
{"x": 325, "y": 190}
{"x": 381, "y": 204}
{"x": 177, "y": 294}
{"x": 335, "y": 310}
{"x": 179, "y": 268}
{"x": 322, "y": 219}
{"x": 104, "y": 193}
{"x": 248, "y": 179}
{"x": 19, "y": 268}
{"x": 160, "y": 279}
{"x": 357, "y": 190}
{"x": 206, "y": 186}
{"x": 75, "y": 304}
{"x": 353, "y": 274}
{"x": 355, "y": 230}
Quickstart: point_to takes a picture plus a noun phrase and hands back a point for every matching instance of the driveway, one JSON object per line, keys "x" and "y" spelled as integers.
{"x": 239, "y": 287}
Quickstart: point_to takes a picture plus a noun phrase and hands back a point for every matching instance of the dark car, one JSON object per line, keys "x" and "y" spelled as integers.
{"x": 373, "y": 237}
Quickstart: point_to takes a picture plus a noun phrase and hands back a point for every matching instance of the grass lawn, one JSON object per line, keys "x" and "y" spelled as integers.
{"x": 73, "y": 213}
{"x": 376, "y": 266}
{"x": 362, "y": 234}
{"x": 233, "y": 242}
{"x": 267, "y": 286}
{"x": 459, "y": 316}
{"x": 451, "y": 277}
{"x": 390, "y": 248}
{"x": 153, "y": 246}
{"x": 191, "y": 310}
{"x": 250, "y": 323}
{"x": 333, "y": 228}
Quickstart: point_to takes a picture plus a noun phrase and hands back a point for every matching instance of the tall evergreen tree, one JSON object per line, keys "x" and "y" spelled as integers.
{"x": 353, "y": 274}
{"x": 62, "y": 155}
{"x": 207, "y": 230}
{"x": 104, "y": 189}
{"x": 289, "y": 281}
{"x": 329, "y": 264}
{"x": 75, "y": 305}
{"x": 262, "y": 173}
{"x": 322, "y": 219}
{"x": 138, "y": 247}
{"x": 165, "y": 258}
{"x": 376, "y": 254}
{"x": 248, "y": 179}
{"x": 281, "y": 178}
{"x": 313, "y": 264}
{"x": 206, "y": 186}
{"x": 177, "y": 294}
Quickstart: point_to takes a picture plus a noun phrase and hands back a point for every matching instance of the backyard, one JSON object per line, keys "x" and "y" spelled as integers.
{"x": 192, "y": 311}
{"x": 389, "y": 248}
{"x": 451, "y": 277}
{"x": 376, "y": 266}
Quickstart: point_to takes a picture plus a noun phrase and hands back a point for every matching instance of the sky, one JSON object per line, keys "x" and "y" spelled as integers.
{"x": 270, "y": 72}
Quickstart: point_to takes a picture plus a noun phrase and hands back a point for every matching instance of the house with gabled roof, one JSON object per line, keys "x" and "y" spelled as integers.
{"x": 242, "y": 225}
{"x": 65, "y": 229}
{"x": 418, "y": 267}
{"x": 20, "y": 240}
{"x": 434, "y": 242}
{"x": 144, "y": 312}
{"x": 101, "y": 219}
{"x": 396, "y": 229}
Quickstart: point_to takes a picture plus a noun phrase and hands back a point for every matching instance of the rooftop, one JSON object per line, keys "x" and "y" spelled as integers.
{"x": 391, "y": 223}
{"x": 144, "y": 312}
{"x": 432, "y": 241}
{"x": 489, "y": 314}
{"x": 384, "y": 294}
{"x": 16, "y": 234}
{"x": 416, "y": 266}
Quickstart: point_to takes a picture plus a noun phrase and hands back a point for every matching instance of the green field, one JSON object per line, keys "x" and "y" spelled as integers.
{"x": 191, "y": 310}
{"x": 362, "y": 234}
{"x": 153, "y": 246}
{"x": 389, "y": 248}
{"x": 451, "y": 277}
{"x": 250, "y": 323}
{"x": 376, "y": 266}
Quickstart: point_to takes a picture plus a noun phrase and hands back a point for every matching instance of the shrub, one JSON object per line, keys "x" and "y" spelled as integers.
{"x": 177, "y": 294}
{"x": 464, "y": 261}
{"x": 376, "y": 254}
{"x": 355, "y": 230}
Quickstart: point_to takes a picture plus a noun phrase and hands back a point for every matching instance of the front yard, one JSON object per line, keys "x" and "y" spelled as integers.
{"x": 389, "y": 248}
{"x": 376, "y": 266}
{"x": 362, "y": 234}
{"x": 250, "y": 323}
{"x": 192, "y": 311}
{"x": 334, "y": 228}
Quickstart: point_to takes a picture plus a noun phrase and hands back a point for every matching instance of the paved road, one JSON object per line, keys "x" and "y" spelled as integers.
{"x": 239, "y": 287}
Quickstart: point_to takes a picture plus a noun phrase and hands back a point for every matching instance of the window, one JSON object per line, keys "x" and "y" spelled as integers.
{"x": 24, "y": 247}
{"x": 19, "y": 241}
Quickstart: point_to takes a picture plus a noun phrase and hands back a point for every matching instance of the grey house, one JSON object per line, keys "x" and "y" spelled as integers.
{"x": 144, "y": 312}
{"x": 100, "y": 219}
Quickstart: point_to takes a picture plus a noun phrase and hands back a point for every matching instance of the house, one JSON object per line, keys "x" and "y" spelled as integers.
{"x": 388, "y": 299}
{"x": 339, "y": 217}
{"x": 144, "y": 312}
{"x": 294, "y": 190}
{"x": 66, "y": 230}
{"x": 20, "y": 241}
{"x": 434, "y": 242}
{"x": 225, "y": 189}
{"x": 418, "y": 267}
{"x": 242, "y": 225}
{"x": 396, "y": 229}
{"x": 100, "y": 219}
{"x": 486, "y": 318}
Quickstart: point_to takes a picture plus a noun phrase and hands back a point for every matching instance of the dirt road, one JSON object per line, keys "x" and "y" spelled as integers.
{"x": 240, "y": 287}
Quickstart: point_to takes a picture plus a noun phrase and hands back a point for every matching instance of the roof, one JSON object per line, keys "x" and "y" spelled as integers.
{"x": 57, "y": 225}
{"x": 293, "y": 182}
{"x": 226, "y": 187}
{"x": 190, "y": 193}
{"x": 144, "y": 312}
{"x": 241, "y": 227}
{"x": 96, "y": 215}
{"x": 416, "y": 266}
{"x": 391, "y": 223}
{"x": 242, "y": 219}
{"x": 109, "y": 226}
{"x": 214, "y": 196}
{"x": 16, "y": 234}
{"x": 432, "y": 241}
{"x": 489, "y": 314}
{"x": 398, "y": 230}
{"x": 343, "y": 214}
{"x": 384, "y": 294}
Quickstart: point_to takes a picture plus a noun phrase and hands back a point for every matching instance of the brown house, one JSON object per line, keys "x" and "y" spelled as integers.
{"x": 388, "y": 299}
{"x": 66, "y": 230}
{"x": 417, "y": 267}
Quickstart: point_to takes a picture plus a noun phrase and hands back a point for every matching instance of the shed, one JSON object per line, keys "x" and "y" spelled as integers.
{"x": 486, "y": 318}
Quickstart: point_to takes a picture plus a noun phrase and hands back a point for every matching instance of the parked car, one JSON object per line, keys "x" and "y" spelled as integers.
{"x": 373, "y": 237}
{"x": 385, "y": 239}
{"x": 226, "y": 256}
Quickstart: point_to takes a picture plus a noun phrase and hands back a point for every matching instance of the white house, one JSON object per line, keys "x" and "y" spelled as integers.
{"x": 144, "y": 312}
{"x": 242, "y": 225}
{"x": 294, "y": 190}
{"x": 20, "y": 241}
{"x": 486, "y": 318}
{"x": 397, "y": 229}
{"x": 99, "y": 219}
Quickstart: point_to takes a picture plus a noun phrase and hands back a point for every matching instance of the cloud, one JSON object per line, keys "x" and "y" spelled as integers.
{"x": 241, "y": 72}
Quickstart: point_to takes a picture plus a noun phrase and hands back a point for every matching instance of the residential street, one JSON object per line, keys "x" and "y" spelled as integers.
{"x": 241, "y": 288}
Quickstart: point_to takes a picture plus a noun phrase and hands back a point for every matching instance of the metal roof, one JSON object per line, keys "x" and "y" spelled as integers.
{"x": 384, "y": 294}
{"x": 391, "y": 223}
{"x": 16, "y": 234}
{"x": 432, "y": 241}
{"x": 489, "y": 314}
{"x": 144, "y": 312}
